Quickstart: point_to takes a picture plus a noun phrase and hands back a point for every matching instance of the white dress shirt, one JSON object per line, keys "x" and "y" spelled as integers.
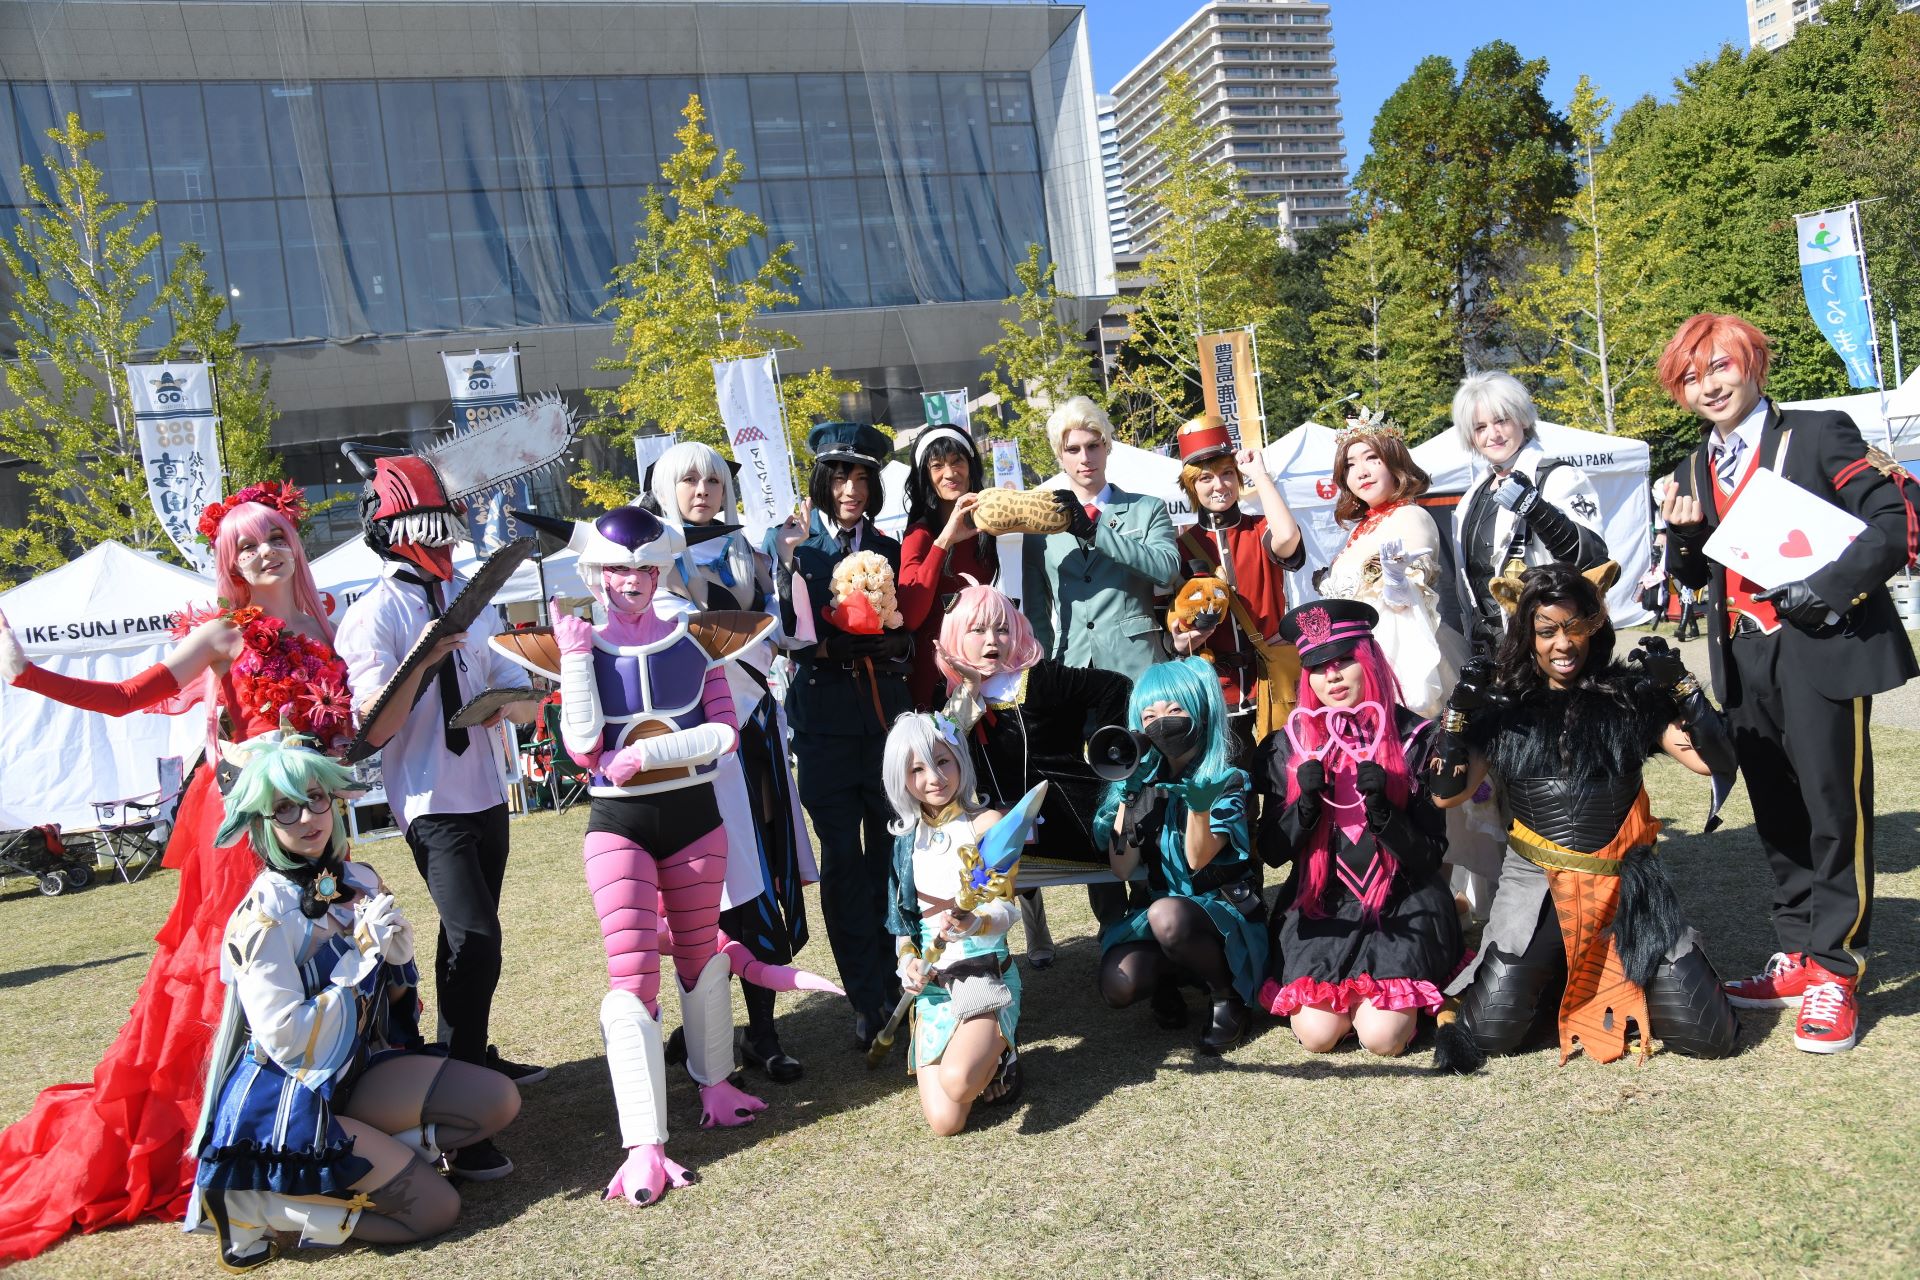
{"x": 420, "y": 774}
{"x": 1750, "y": 429}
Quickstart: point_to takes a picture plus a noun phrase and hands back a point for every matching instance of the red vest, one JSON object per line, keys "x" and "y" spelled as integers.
{"x": 1740, "y": 591}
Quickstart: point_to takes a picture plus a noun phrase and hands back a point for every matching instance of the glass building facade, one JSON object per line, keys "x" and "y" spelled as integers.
{"x": 343, "y": 209}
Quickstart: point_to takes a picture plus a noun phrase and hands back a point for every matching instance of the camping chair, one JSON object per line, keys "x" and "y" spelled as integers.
{"x": 136, "y": 828}
{"x": 567, "y": 778}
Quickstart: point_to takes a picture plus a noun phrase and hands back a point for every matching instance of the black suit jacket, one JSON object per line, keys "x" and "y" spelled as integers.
{"x": 1870, "y": 653}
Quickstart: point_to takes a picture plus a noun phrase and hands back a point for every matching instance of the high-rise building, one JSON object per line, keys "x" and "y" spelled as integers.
{"x": 376, "y": 182}
{"x": 1771, "y": 23}
{"x": 1119, "y": 224}
{"x": 1264, "y": 73}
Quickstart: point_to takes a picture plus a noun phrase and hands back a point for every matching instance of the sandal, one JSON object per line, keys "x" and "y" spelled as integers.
{"x": 1004, "y": 1089}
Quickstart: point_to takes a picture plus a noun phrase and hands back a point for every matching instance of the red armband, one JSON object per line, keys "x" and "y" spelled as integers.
{"x": 154, "y": 685}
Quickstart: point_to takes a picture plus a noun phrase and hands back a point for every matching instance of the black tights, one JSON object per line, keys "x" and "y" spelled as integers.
{"x": 1186, "y": 945}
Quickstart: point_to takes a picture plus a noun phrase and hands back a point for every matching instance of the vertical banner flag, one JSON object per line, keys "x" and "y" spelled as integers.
{"x": 756, "y": 431}
{"x": 485, "y": 386}
{"x": 179, "y": 449}
{"x": 1227, "y": 381}
{"x": 947, "y": 409}
{"x": 1833, "y": 273}
{"x": 648, "y": 450}
{"x": 1006, "y": 464}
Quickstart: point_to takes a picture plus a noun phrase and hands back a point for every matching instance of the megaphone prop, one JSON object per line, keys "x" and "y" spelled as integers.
{"x": 1114, "y": 751}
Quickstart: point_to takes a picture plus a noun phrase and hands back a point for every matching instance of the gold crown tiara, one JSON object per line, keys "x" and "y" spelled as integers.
{"x": 1368, "y": 424}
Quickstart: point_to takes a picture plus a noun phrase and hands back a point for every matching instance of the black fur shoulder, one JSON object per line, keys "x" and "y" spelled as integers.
{"x": 1608, "y": 724}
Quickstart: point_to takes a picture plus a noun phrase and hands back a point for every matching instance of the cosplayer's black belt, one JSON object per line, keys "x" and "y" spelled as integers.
{"x": 971, "y": 967}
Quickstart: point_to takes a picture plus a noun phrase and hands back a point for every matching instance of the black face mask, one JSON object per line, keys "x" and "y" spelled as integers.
{"x": 1174, "y": 736}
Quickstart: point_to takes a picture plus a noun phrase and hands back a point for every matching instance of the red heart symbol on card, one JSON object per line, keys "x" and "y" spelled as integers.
{"x": 1796, "y": 545}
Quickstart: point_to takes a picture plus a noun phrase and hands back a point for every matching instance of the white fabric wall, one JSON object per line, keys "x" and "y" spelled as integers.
{"x": 56, "y": 760}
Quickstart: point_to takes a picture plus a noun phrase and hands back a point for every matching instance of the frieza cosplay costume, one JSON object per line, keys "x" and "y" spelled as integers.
{"x": 645, "y": 705}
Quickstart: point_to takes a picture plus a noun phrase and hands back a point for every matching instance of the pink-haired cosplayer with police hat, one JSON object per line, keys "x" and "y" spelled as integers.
{"x": 645, "y": 706}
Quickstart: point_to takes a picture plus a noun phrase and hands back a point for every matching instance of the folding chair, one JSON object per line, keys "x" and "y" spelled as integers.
{"x": 567, "y": 778}
{"x": 136, "y": 828}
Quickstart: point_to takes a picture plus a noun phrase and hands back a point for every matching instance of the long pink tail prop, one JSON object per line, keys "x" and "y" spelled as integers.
{"x": 774, "y": 977}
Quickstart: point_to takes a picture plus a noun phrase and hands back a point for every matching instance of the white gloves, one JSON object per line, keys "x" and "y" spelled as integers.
{"x": 380, "y": 928}
{"x": 1395, "y": 589}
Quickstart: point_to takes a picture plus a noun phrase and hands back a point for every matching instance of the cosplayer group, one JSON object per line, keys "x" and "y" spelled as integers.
{"x": 1091, "y": 691}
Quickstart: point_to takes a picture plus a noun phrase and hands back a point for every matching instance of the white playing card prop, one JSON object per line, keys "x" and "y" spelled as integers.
{"x": 1779, "y": 532}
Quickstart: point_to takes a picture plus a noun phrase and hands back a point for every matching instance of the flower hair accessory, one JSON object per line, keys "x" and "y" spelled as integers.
{"x": 1368, "y": 424}
{"x": 283, "y": 496}
{"x": 947, "y": 729}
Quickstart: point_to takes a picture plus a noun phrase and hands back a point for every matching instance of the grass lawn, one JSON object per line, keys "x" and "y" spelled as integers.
{"x": 1129, "y": 1155}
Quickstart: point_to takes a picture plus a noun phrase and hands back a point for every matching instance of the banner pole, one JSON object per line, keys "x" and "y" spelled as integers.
{"x": 1259, "y": 386}
{"x": 786, "y": 429}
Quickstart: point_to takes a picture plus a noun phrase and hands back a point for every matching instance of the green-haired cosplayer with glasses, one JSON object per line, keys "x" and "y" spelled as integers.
{"x": 325, "y": 1115}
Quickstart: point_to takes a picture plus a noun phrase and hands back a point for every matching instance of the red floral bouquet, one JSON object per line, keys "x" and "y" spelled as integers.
{"x": 282, "y": 674}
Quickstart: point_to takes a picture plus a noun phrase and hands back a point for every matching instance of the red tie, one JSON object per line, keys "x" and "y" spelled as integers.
{"x": 1093, "y": 512}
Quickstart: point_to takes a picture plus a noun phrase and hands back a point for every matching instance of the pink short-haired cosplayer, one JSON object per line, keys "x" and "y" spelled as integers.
{"x": 989, "y": 605}
{"x": 1692, "y": 347}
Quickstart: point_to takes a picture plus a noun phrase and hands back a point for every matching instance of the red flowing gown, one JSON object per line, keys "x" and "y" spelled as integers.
{"x": 88, "y": 1156}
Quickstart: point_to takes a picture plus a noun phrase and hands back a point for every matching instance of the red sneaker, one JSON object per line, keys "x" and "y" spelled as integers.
{"x": 1829, "y": 1015}
{"x": 1778, "y": 986}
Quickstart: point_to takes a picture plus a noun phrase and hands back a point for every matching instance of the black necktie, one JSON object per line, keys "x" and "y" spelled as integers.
{"x": 449, "y": 681}
{"x": 846, "y": 540}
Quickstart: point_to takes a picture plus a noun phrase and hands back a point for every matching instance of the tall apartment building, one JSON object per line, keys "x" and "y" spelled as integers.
{"x": 1270, "y": 98}
{"x": 1771, "y": 23}
{"x": 1119, "y": 223}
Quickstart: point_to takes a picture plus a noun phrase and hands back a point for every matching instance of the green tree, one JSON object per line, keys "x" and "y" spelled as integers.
{"x": 1595, "y": 307}
{"x": 1209, "y": 269}
{"x": 1039, "y": 360}
{"x": 1470, "y": 171}
{"x": 1383, "y": 333}
{"x": 1296, "y": 367}
{"x": 79, "y": 266}
{"x": 240, "y": 380}
{"x": 678, "y": 306}
{"x": 1883, "y": 167}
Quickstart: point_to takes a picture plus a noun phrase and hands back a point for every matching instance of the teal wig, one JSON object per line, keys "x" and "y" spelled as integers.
{"x": 276, "y": 770}
{"x": 1191, "y": 685}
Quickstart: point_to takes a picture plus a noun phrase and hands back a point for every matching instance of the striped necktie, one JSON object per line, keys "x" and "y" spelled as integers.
{"x": 1727, "y": 465}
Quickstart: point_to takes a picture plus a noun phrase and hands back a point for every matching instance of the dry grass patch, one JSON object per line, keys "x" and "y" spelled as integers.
{"x": 1129, "y": 1155}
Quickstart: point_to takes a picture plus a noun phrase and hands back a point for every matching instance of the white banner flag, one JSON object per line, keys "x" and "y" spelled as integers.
{"x": 946, "y": 409}
{"x": 648, "y": 450}
{"x": 179, "y": 449}
{"x": 756, "y": 430}
{"x": 485, "y": 386}
{"x": 1006, "y": 464}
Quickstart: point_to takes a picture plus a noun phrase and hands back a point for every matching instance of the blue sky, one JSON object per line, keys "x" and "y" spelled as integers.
{"x": 1629, "y": 47}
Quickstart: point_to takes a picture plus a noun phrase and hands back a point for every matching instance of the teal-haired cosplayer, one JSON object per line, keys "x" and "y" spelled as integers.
{"x": 323, "y": 1113}
{"x": 1186, "y": 821}
{"x": 286, "y": 769}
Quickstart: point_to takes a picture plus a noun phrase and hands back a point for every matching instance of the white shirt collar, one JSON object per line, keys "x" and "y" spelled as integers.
{"x": 1105, "y": 496}
{"x": 1750, "y": 427}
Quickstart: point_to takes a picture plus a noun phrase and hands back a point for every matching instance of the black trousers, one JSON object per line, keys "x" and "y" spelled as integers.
{"x": 463, "y": 859}
{"x": 840, "y": 788}
{"x": 1808, "y": 762}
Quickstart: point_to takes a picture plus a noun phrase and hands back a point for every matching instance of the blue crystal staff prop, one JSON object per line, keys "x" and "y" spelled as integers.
{"x": 986, "y": 874}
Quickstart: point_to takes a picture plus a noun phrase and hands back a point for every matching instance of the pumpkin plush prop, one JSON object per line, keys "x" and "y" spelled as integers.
{"x": 1201, "y": 605}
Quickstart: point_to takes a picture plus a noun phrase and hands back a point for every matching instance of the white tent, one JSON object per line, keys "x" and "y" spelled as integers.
{"x": 1884, "y": 418}
{"x": 1301, "y": 464}
{"x": 345, "y": 573}
{"x": 105, "y": 616}
{"x": 893, "y": 499}
{"x": 1618, "y": 467}
{"x": 1142, "y": 471}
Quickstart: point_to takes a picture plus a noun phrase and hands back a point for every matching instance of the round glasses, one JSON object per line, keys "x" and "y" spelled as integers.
{"x": 290, "y": 813}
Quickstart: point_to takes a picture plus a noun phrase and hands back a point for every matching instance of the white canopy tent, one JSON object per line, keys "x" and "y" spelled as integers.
{"x": 1619, "y": 468}
{"x": 1301, "y": 464}
{"x": 1887, "y": 420}
{"x": 105, "y": 616}
{"x": 893, "y": 504}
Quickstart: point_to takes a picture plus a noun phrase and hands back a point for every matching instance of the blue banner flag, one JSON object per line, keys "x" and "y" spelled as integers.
{"x": 1833, "y": 273}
